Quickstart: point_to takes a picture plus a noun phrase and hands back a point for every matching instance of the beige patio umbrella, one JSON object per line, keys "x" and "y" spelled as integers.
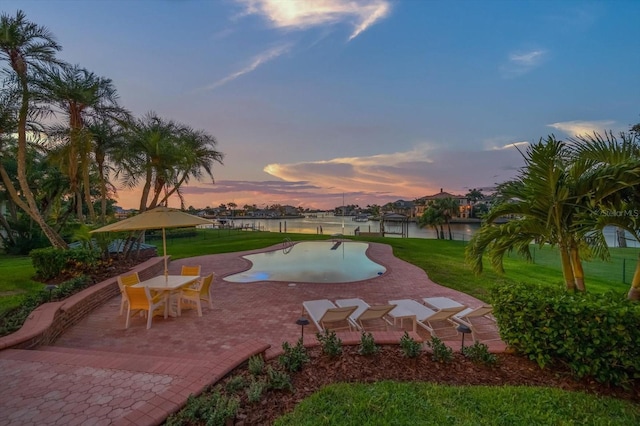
{"x": 158, "y": 218}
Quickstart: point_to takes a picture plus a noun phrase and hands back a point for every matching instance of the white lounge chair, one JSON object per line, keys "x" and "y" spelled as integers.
{"x": 439, "y": 303}
{"x": 425, "y": 317}
{"x": 465, "y": 316}
{"x": 367, "y": 314}
{"x": 327, "y": 316}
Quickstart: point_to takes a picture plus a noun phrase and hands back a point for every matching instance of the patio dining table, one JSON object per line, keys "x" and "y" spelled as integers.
{"x": 168, "y": 284}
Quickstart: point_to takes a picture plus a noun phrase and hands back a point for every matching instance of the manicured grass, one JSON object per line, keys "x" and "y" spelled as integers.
{"x": 393, "y": 403}
{"x": 15, "y": 280}
{"x": 443, "y": 261}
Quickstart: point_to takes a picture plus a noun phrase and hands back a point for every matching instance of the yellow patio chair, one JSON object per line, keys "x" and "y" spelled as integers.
{"x": 140, "y": 300}
{"x": 124, "y": 281}
{"x": 205, "y": 290}
{"x": 190, "y": 270}
{"x": 190, "y": 297}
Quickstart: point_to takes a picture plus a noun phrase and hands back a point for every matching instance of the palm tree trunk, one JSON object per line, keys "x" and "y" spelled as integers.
{"x": 576, "y": 264}
{"x": 87, "y": 193}
{"x": 567, "y": 270}
{"x": 449, "y": 228}
{"x": 32, "y": 207}
{"x": 634, "y": 291}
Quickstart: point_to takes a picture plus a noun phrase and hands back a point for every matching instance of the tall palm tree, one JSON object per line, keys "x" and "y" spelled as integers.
{"x": 551, "y": 197}
{"x": 199, "y": 155}
{"x": 621, "y": 158}
{"x": 107, "y": 136}
{"x": 449, "y": 208}
{"x": 165, "y": 155}
{"x": 25, "y": 45}
{"x": 432, "y": 217}
{"x": 80, "y": 95}
{"x": 149, "y": 157}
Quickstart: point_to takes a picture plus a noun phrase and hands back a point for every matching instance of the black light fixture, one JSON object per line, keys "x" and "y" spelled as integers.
{"x": 50, "y": 287}
{"x": 302, "y": 321}
{"x": 464, "y": 330}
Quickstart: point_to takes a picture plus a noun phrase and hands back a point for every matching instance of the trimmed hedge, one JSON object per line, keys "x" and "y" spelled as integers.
{"x": 595, "y": 335}
{"x": 51, "y": 262}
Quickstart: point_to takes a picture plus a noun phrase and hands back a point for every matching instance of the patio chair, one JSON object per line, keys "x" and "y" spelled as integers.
{"x": 190, "y": 270}
{"x": 140, "y": 300}
{"x": 327, "y": 316}
{"x": 372, "y": 316}
{"x": 189, "y": 298}
{"x": 123, "y": 281}
{"x": 427, "y": 318}
{"x": 482, "y": 324}
{"x": 439, "y": 303}
{"x": 205, "y": 290}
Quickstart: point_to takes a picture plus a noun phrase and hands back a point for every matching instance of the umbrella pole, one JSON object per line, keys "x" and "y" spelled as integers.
{"x": 164, "y": 252}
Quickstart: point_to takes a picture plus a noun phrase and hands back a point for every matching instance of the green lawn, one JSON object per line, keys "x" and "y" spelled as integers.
{"x": 393, "y": 403}
{"x": 15, "y": 280}
{"x": 413, "y": 403}
{"x": 442, "y": 260}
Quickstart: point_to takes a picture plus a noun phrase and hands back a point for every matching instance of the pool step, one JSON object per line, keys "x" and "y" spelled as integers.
{"x": 336, "y": 245}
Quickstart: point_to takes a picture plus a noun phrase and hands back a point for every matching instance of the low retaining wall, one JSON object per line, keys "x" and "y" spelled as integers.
{"x": 50, "y": 320}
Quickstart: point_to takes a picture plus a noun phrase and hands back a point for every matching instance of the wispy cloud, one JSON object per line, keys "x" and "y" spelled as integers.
{"x": 409, "y": 174}
{"x": 303, "y": 14}
{"x": 576, "y": 128}
{"x": 510, "y": 145}
{"x": 257, "y": 61}
{"x": 519, "y": 63}
{"x": 377, "y": 179}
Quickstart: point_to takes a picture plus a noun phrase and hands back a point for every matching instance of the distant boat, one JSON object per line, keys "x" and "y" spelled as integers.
{"x": 361, "y": 218}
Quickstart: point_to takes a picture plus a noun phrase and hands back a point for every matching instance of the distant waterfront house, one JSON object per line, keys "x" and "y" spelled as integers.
{"x": 464, "y": 204}
{"x": 401, "y": 207}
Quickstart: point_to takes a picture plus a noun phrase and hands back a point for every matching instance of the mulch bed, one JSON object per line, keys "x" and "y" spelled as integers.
{"x": 390, "y": 364}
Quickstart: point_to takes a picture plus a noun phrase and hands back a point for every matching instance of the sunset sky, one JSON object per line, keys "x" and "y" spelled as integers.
{"x": 378, "y": 100}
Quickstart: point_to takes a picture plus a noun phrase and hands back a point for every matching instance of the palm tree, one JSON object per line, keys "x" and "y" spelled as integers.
{"x": 474, "y": 195}
{"x": 107, "y": 136}
{"x": 449, "y": 208}
{"x": 550, "y": 199}
{"x": 618, "y": 208}
{"x": 165, "y": 155}
{"x": 199, "y": 155}
{"x": 80, "y": 95}
{"x": 25, "y": 45}
{"x": 432, "y": 217}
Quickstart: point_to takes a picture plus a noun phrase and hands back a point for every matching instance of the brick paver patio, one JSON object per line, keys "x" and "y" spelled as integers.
{"x": 98, "y": 372}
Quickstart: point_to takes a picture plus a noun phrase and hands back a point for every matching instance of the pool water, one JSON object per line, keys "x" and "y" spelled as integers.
{"x": 312, "y": 262}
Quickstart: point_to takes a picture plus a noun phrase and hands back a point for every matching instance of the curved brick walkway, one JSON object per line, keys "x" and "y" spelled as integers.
{"x": 98, "y": 372}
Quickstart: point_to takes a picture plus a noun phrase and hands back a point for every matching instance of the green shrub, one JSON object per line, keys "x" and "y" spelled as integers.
{"x": 294, "y": 357}
{"x": 255, "y": 390}
{"x": 234, "y": 384}
{"x": 439, "y": 351}
{"x": 278, "y": 380}
{"x": 212, "y": 409}
{"x": 595, "y": 335}
{"x": 52, "y": 262}
{"x": 331, "y": 343}
{"x": 256, "y": 365}
{"x": 48, "y": 262}
{"x": 410, "y": 348}
{"x": 479, "y": 354}
{"x": 367, "y": 345}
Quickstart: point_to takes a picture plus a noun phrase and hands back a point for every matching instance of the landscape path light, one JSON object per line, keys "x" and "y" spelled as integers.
{"x": 302, "y": 321}
{"x": 463, "y": 329}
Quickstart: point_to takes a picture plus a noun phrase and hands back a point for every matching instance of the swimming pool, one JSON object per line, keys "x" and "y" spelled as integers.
{"x": 312, "y": 262}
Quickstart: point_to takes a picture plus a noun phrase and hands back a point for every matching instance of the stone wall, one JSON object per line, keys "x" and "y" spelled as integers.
{"x": 50, "y": 320}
